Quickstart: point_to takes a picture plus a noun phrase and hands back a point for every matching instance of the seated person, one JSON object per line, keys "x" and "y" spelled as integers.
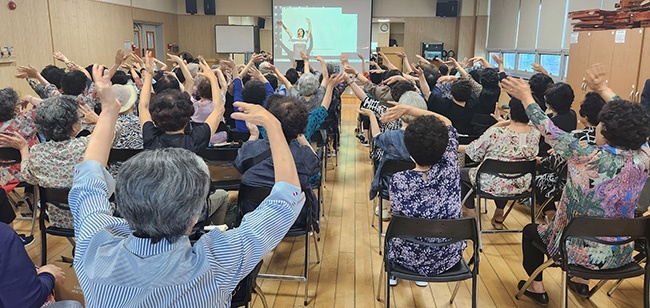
{"x": 618, "y": 164}
{"x": 131, "y": 134}
{"x": 309, "y": 90}
{"x": 510, "y": 141}
{"x": 21, "y": 283}
{"x": 559, "y": 98}
{"x": 539, "y": 84}
{"x": 293, "y": 115}
{"x": 459, "y": 109}
{"x": 203, "y": 106}
{"x": 552, "y": 171}
{"x": 146, "y": 257}
{"x": 431, "y": 190}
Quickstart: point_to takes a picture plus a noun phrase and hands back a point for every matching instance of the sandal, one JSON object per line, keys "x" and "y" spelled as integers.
{"x": 498, "y": 225}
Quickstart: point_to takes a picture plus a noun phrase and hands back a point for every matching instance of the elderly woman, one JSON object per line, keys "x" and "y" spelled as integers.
{"x": 431, "y": 190}
{"x": 511, "y": 141}
{"x": 14, "y": 122}
{"x": 604, "y": 180}
{"x": 308, "y": 89}
{"x": 146, "y": 258}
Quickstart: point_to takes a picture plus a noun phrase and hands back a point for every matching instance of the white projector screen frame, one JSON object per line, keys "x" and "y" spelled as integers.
{"x": 234, "y": 38}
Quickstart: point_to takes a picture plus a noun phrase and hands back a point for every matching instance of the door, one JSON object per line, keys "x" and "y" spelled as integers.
{"x": 625, "y": 63}
{"x": 145, "y": 37}
{"x": 644, "y": 68}
{"x": 578, "y": 63}
{"x": 136, "y": 42}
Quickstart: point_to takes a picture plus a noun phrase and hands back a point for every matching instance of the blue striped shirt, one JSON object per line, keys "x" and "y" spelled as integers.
{"x": 117, "y": 269}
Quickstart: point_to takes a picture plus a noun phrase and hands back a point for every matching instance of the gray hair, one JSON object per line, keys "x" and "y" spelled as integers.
{"x": 161, "y": 192}
{"x": 308, "y": 84}
{"x": 413, "y": 99}
{"x": 264, "y": 68}
{"x": 8, "y": 102}
{"x": 193, "y": 68}
{"x": 333, "y": 68}
{"x": 56, "y": 117}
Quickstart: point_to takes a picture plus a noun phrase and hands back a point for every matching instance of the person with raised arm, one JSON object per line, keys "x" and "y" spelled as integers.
{"x": 146, "y": 257}
{"x": 617, "y": 164}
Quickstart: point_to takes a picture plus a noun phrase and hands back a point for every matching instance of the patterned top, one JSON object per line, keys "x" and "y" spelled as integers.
{"x": 117, "y": 269}
{"x": 131, "y": 133}
{"x": 88, "y": 97}
{"x": 603, "y": 181}
{"x": 503, "y": 144}
{"x": 23, "y": 123}
{"x": 434, "y": 194}
{"x": 378, "y": 109}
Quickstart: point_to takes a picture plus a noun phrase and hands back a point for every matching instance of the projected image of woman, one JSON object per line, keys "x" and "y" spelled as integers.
{"x": 299, "y": 42}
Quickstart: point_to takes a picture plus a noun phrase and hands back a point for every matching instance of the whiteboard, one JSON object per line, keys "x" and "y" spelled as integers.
{"x": 234, "y": 39}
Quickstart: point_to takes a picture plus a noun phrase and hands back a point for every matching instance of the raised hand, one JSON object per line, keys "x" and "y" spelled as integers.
{"x": 350, "y": 70}
{"x": 255, "y": 73}
{"x": 417, "y": 70}
{"x": 104, "y": 89}
{"x": 229, "y": 63}
{"x": 89, "y": 115}
{"x": 61, "y": 57}
{"x": 517, "y": 88}
{"x": 366, "y": 112}
{"x": 27, "y": 72}
{"x": 13, "y": 140}
{"x": 148, "y": 61}
{"x": 253, "y": 114}
{"x": 497, "y": 58}
{"x": 596, "y": 78}
{"x": 120, "y": 57}
{"x": 497, "y": 113}
{"x": 538, "y": 68}
{"x": 393, "y": 113}
{"x": 308, "y": 21}
{"x": 401, "y": 55}
{"x": 304, "y": 56}
{"x": 394, "y": 79}
{"x": 319, "y": 59}
{"x": 173, "y": 58}
{"x": 256, "y": 58}
{"x": 361, "y": 57}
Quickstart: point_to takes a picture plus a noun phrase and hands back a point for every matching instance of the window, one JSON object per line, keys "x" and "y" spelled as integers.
{"x": 525, "y": 61}
{"x": 490, "y": 60}
{"x": 552, "y": 63}
{"x": 566, "y": 65}
{"x": 509, "y": 60}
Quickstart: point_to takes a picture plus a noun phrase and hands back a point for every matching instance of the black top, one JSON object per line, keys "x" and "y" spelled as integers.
{"x": 487, "y": 100}
{"x": 196, "y": 140}
{"x": 460, "y": 117}
{"x": 566, "y": 122}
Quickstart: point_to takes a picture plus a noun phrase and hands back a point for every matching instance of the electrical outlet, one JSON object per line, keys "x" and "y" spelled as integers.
{"x": 4, "y": 52}
{"x": 10, "y": 51}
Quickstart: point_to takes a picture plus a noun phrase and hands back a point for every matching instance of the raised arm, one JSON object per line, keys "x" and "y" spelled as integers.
{"x": 335, "y": 80}
{"x": 71, "y": 65}
{"x": 595, "y": 80}
{"x": 281, "y": 77}
{"x": 163, "y": 65}
{"x": 397, "y": 111}
{"x": 308, "y": 28}
{"x": 351, "y": 70}
{"x": 305, "y": 59}
{"x": 387, "y": 62}
{"x": 405, "y": 62}
{"x": 101, "y": 140}
{"x": 120, "y": 57}
{"x": 189, "y": 80}
{"x": 285, "y": 28}
{"x": 483, "y": 61}
{"x": 355, "y": 87}
{"x": 31, "y": 72}
{"x": 219, "y": 107}
{"x": 499, "y": 60}
{"x": 145, "y": 93}
{"x": 424, "y": 86}
{"x": 363, "y": 64}
{"x": 323, "y": 69}
{"x": 251, "y": 63}
{"x": 539, "y": 68}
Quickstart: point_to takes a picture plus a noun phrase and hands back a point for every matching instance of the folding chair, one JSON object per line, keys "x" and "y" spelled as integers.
{"x": 322, "y": 148}
{"x": 243, "y": 293}
{"x": 249, "y": 198}
{"x": 52, "y": 195}
{"x": 222, "y": 173}
{"x": 389, "y": 168}
{"x": 452, "y": 231}
{"x": 506, "y": 171}
{"x": 9, "y": 157}
{"x": 608, "y": 231}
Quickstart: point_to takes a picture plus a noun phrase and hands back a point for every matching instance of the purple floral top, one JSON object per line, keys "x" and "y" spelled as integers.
{"x": 602, "y": 181}
{"x": 434, "y": 194}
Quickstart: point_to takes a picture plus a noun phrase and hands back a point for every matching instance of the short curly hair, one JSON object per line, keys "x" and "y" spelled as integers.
{"x": 292, "y": 114}
{"x": 560, "y": 97}
{"x": 591, "y": 107}
{"x": 53, "y": 75}
{"x": 73, "y": 83}
{"x": 292, "y": 75}
{"x": 426, "y": 139}
{"x": 56, "y": 117}
{"x": 625, "y": 124}
{"x": 254, "y": 92}
{"x": 8, "y": 102}
{"x": 400, "y": 87}
{"x": 308, "y": 84}
{"x": 461, "y": 90}
{"x": 171, "y": 110}
{"x": 489, "y": 78}
{"x": 539, "y": 83}
{"x": 517, "y": 111}
{"x": 166, "y": 82}
{"x": 204, "y": 88}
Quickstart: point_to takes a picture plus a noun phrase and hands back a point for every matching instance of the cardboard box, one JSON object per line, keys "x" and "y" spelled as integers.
{"x": 70, "y": 289}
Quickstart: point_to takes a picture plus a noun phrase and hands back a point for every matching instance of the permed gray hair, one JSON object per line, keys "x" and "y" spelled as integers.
{"x": 161, "y": 192}
{"x": 56, "y": 117}
{"x": 308, "y": 84}
{"x": 411, "y": 98}
{"x": 8, "y": 102}
{"x": 333, "y": 68}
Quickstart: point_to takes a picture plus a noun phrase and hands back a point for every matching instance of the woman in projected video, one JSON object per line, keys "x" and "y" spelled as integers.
{"x": 300, "y": 42}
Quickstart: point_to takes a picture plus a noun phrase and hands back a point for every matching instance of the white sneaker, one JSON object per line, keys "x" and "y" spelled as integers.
{"x": 392, "y": 281}
{"x": 385, "y": 215}
{"x": 376, "y": 210}
{"x": 421, "y": 283}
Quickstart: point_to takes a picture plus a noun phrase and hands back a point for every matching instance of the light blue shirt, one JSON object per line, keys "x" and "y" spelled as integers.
{"x": 117, "y": 269}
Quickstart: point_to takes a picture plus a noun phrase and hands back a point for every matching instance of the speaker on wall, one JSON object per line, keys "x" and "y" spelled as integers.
{"x": 209, "y": 7}
{"x": 447, "y": 8}
{"x": 190, "y": 6}
{"x": 261, "y": 22}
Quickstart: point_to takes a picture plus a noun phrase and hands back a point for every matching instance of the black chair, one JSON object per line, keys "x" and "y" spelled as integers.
{"x": 322, "y": 148}
{"x": 596, "y": 229}
{"x": 243, "y": 293}
{"x": 52, "y": 195}
{"x": 506, "y": 171}
{"x": 222, "y": 173}
{"x": 389, "y": 168}
{"x": 452, "y": 230}
{"x": 249, "y": 198}
{"x": 234, "y": 136}
{"x": 122, "y": 155}
{"x": 9, "y": 157}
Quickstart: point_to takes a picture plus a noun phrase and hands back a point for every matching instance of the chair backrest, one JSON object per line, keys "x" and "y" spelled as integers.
{"x": 454, "y": 230}
{"x": 319, "y": 137}
{"x": 53, "y": 195}
{"x": 251, "y": 197}
{"x": 9, "y": 156}
{"x": 608, "y": 231}
{"x": 391, "y": 167}
{"x": 506, "y": 170}
{"x": 219, "y": 162}
{"x": 234, "y": 136}
{"x": 122, "y": 155}
{"x": 644, "y": 198}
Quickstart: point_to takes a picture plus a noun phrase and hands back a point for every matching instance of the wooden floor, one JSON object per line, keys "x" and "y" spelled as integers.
{"x": 349, "y": 271}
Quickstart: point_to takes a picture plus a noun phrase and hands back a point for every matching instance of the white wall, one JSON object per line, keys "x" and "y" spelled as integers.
{"x": 166, "y": 6}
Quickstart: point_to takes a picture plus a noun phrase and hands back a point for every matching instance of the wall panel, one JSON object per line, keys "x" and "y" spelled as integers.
{"x": 169, "y": 24}
{"x": 429, "y": 29}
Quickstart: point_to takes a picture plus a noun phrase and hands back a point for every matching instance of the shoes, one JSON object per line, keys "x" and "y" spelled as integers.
{"x": 392, "y": 281}
{"x": 498, "y": 225}
{"x": 365, "y": 143}
{"x": 27, "y": 240}
{"x": 579, "y": 288}
{"x": 539, "y": 298}
{"x": 421, "y": 284}
{"x": 385, "y": 215}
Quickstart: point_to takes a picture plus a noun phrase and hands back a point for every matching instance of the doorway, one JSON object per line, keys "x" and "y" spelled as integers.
{"x": 148, "y": 37}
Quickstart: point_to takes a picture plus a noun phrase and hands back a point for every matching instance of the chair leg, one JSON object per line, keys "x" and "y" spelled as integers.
{"x": 306, "y": 268}
{"x": 379, "y": 283}
{"x": 509, "y": 205}
{"x": 538, "y": 270}
{"x": 41, "y": 224}
{"x": 261, "y": 295}
{"x": 387, "y": 297}
{"x": 614, "y": 287}
{"x": 477, "y": 208}
{"x": 474, "y": 290}
{"x": 539, "y": 213}
{"x": 453, "y": 294}
{"x": 380, "y": 226}
{"x": 315, "y": 246}
{"x": 597, "y": 287}
{"x": 565, "y": 295}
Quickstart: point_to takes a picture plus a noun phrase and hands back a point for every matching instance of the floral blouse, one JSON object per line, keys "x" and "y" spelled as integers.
{"x": 22, "y": 123}
{"x": 602, "y": 181}
{"x": 503, "y": 144}
{"x": 434, "y": 194}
